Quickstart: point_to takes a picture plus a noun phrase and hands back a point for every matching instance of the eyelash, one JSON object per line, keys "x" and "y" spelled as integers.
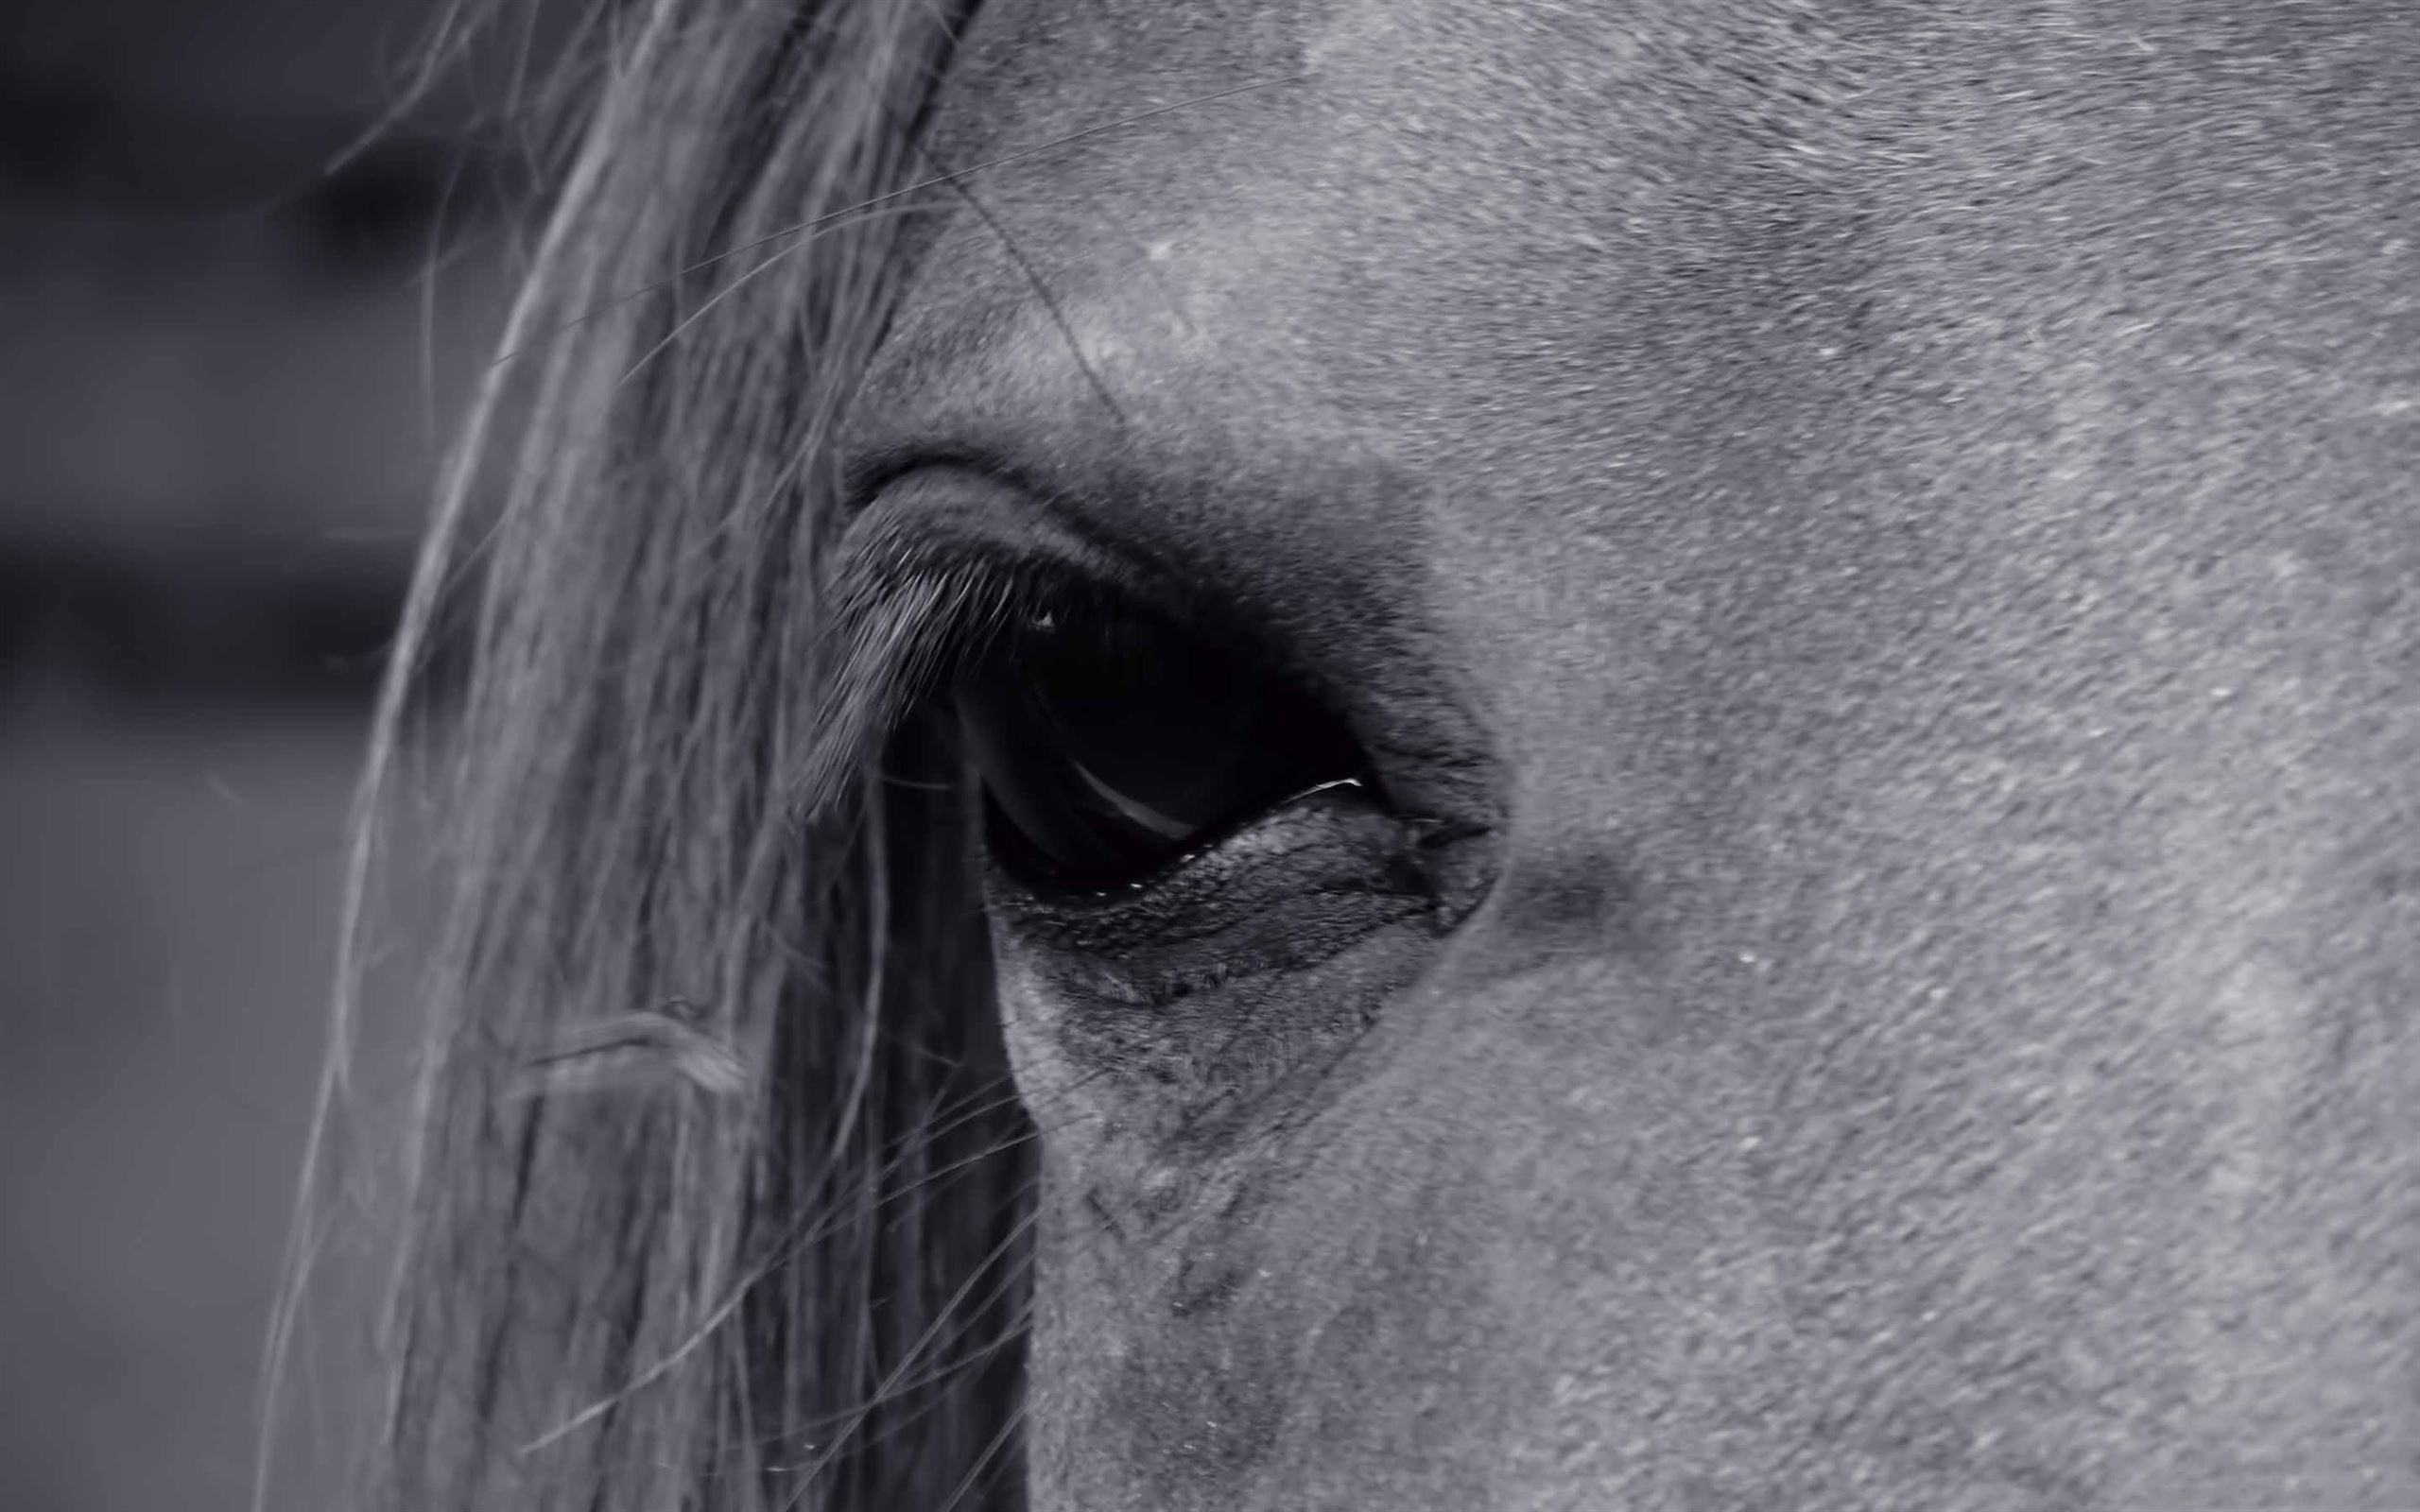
{"x": 894, "y": 641}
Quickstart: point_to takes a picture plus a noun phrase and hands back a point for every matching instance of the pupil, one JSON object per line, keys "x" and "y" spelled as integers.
{"x": 1110, "y": 743}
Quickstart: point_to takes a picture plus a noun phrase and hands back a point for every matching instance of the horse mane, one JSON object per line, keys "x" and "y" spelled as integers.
{"x": 773, "y": 1258}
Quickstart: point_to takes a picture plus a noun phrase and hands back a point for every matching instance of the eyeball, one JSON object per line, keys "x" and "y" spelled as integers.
{"x": 1111, "y": 743}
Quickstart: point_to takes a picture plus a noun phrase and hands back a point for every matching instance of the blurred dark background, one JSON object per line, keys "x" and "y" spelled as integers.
{"x": 247, "y": 277}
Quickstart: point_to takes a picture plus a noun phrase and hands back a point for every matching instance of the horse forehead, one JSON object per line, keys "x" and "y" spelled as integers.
{"x": 1397, "y": 229}
{"x": 1026, "y": 60}
{"x": 1408, "y": 140}
{"x": 1530, "y": 222}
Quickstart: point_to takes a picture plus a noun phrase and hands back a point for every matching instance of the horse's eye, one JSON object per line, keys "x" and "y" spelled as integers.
{"x": 1111, "y": 743}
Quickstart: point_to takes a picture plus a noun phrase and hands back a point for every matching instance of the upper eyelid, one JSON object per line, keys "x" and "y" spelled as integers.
{"x": 923, "y": 590}
{"x": 923, "y": 579}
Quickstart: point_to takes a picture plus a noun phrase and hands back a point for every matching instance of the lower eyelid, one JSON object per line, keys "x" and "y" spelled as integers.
{"x": 1328, "y": 842}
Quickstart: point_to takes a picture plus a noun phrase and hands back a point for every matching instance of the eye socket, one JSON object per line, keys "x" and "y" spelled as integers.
{"x": 1111, "y": 743}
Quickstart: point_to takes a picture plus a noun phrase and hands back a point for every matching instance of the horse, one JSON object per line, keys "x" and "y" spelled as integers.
{"x": 1434, "y": 754}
